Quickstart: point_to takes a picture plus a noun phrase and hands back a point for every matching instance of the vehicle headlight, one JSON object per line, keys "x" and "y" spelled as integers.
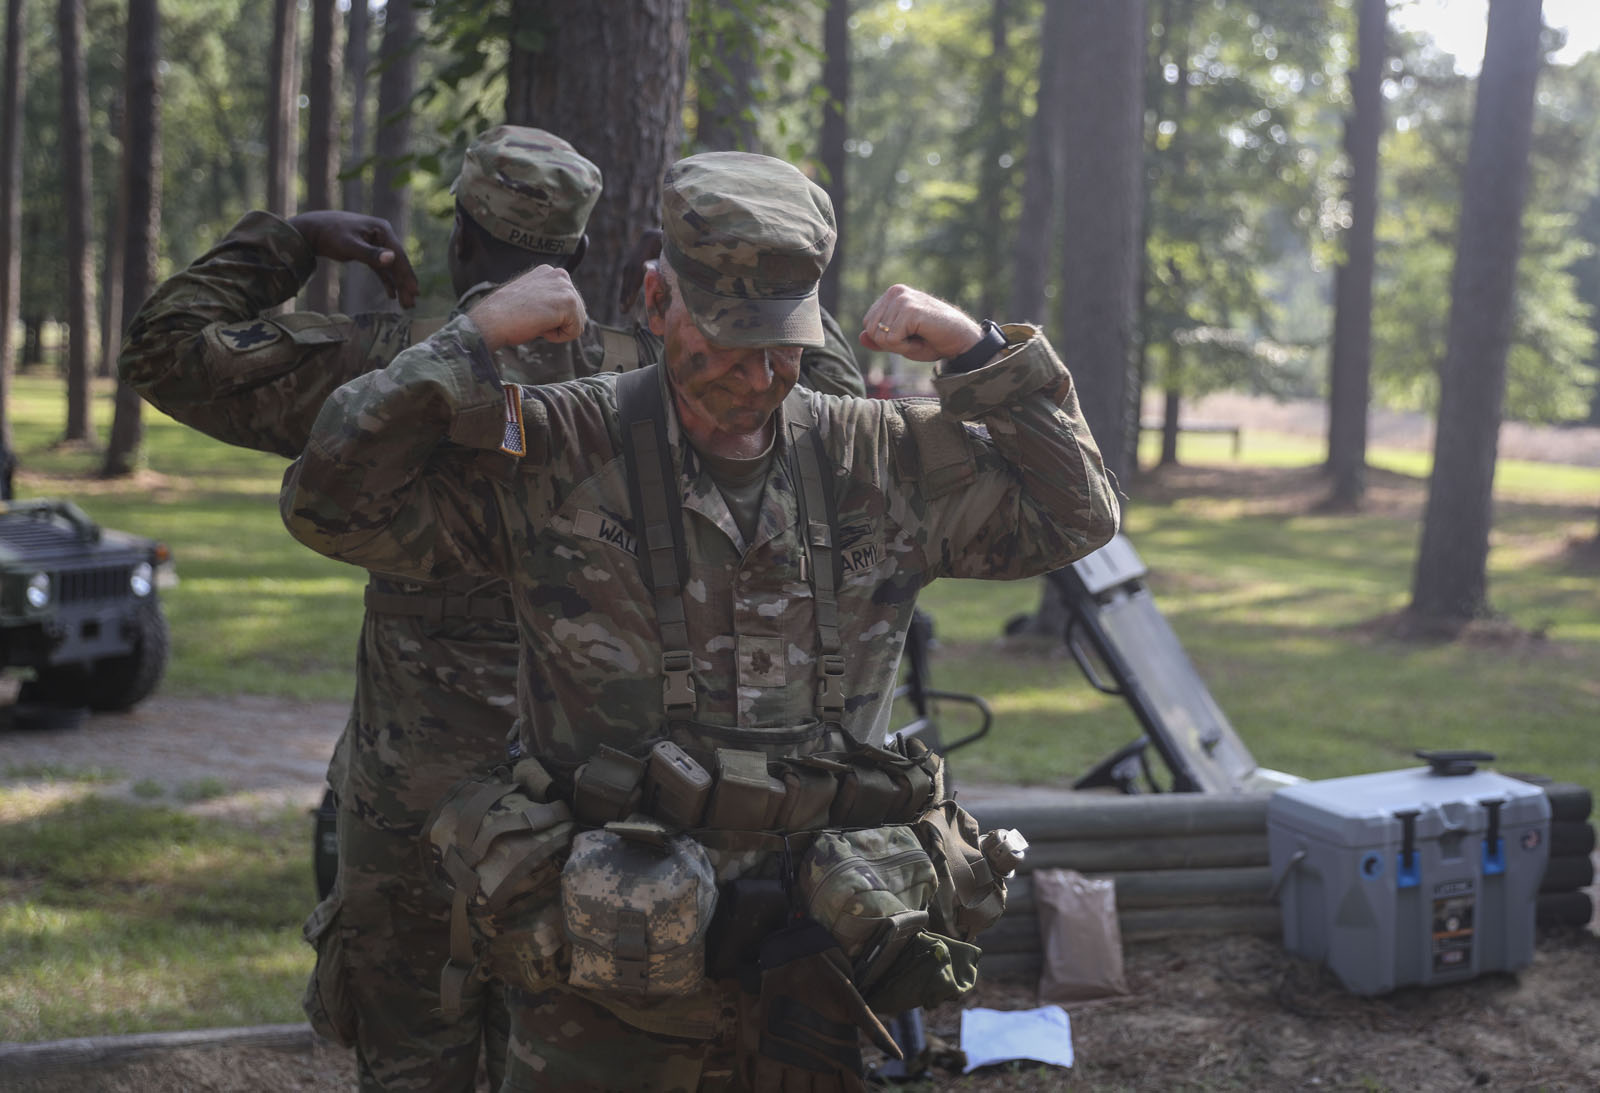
{"x": 38, "y": 593}
{"x": 141, "y": 580}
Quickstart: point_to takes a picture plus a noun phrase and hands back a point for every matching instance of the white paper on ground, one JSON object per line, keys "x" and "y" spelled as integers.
{"x": 1042, "y": 1035}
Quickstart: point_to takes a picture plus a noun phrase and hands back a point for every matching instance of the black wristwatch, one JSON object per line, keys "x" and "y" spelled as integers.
{"x": 992, "y": 342}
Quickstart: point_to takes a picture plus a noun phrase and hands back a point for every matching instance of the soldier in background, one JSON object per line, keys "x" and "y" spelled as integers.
{"x": 435, "y": 693}
{"x": 998, "y": 478}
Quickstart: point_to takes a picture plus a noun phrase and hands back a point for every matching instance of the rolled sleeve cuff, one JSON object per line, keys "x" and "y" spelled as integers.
{"x": 1027, "y": 364}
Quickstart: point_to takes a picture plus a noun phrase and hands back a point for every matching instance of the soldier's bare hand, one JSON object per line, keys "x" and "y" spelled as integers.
{"x": 355, "y": 237}
{"x": 918, "y": 326}
{"x": 542, "y": 303}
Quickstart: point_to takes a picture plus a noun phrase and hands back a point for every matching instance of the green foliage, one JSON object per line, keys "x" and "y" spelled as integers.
{"x": 1236, "y": 101}
{"x": 1549, "y": 374}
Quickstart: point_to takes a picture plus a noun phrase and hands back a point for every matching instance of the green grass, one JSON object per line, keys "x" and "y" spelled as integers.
{"x": 118, "y": 917}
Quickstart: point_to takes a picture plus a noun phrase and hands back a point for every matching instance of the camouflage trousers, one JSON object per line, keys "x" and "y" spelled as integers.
{"x": 395, "y": 931}
{"x": 434, "y": 702}
{"x": 563, "y": 1043}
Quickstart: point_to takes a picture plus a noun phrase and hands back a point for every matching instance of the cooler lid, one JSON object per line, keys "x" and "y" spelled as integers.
{"x": 1361, "y": 809}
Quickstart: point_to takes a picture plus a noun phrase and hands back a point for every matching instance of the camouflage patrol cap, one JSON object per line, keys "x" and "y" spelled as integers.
{"x": 528, "y": 188}
{"x": 748, "y": 237}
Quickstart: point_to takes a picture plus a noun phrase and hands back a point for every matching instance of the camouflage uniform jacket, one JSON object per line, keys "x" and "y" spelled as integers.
{"x": 997, "y": 478}
{"x": 434, "y": 695}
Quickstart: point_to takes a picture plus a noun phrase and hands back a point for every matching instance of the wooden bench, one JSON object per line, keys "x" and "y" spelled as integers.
{"x": 1234, "y": 431}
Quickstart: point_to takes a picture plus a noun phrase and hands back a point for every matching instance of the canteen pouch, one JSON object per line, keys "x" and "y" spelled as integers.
{"x": 498, "y": 848}
{"x": 970, "y": 897}
{"x": 327, "y": 1002}
{"x": 637, "y": 903}
{"x": 746, "y": 796}
{"x": 676, "y": 787}
{"x": 871, "y": 890}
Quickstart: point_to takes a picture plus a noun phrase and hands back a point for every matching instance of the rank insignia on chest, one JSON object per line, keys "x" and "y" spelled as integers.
{"x": 244, "y": 337}
{"x": 514, "y": 441}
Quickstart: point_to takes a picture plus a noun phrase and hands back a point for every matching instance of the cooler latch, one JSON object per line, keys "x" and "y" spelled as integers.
{"x": 1494, "y": 847}
{"x": 1408, "y": 875}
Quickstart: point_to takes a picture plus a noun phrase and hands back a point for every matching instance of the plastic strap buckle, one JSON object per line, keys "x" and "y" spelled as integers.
{"x": 678, "y": 690}
{"x": 830, "y": 683}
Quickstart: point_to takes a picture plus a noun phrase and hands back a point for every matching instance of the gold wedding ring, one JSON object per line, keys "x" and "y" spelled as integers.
{"x": 884, "y": 327}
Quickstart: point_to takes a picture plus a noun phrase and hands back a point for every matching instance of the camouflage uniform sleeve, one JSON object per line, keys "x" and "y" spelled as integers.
{"x": 201, "y": 350}
{"x": 399, "y": 472}
{"x": 1001, "y": 478}
{"x": 832, "y": 368}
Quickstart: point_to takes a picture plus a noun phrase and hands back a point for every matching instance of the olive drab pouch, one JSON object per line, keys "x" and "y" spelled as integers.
{"x": 327, "y": 1001}
{"x": 871, "y": 890}
{"x": 970, "y": 896}
{"x": 498, "y": 846}
{"x": 637, "y": 903}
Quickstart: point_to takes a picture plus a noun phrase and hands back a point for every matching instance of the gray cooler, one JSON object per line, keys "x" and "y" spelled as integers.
{"x": 1420, "y": 876}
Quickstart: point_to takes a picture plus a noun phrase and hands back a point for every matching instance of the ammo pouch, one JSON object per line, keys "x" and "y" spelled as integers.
{"x": 498, "y": 845}
{"x": 637, "y": 902}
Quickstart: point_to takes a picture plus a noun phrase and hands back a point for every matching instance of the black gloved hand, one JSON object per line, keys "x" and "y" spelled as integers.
{"x": 800, "y": 1032}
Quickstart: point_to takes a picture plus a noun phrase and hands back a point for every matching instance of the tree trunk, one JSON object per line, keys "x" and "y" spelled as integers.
{"x": 626, "y": 118}
{"x": 1102, "y": 187}
{"x": 391, "y": 198}
{"x": 725, "y": 82}
{"x": 355, "y": 194}
{"x": 111, "y": 261}
{"x": 991, "y": 175}
{"x": 75, "y": 193}
{"x": 1450, "y": 585}
{"x": 322, "y": 141}
{"x": 10, "y": 209}
{"x": 1041, "y": 189}
{"x": 1170, "y": 405}
{"x": 830, "y": 152}
{"x": 283, "y": 107}
{"x": 1350, "y": 367}
{"x": 141, "y": 178}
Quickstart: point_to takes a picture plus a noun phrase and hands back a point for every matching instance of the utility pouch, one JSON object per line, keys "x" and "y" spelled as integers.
{"x": 676, "y": 787}
{"x": 809, "y": 787}
{"x": 327, "y": 1002}
{"x": 637, "y": 903}
{"x": 607, "y": 787}
{"x": 871, "y": 889}
{"x": 746, "y": 796}
{"x": 498, "y": 850}
{"x": 748, "y": 910}
{"x": 866, "y": 795}
{"x": 970, "y": 896}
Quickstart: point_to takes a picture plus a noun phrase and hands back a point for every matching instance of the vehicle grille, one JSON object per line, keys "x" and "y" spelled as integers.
{"x": 84, "y": 585}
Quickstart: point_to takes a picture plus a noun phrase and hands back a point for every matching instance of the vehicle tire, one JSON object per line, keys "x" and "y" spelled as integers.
{"x": 118, "y": 683}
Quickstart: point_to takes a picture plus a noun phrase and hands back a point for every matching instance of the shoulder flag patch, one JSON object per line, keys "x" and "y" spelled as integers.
{"x": 245, "y": 337}
{"x": 515, "y": 441}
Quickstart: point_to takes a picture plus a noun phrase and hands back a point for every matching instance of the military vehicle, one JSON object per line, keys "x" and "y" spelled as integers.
{"x": 79, "y": 609}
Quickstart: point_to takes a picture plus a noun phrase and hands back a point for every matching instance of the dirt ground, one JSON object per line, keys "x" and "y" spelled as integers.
{"x": 1213, "y": 1013}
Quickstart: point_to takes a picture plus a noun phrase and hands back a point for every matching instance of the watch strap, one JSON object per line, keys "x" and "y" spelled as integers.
{"x": 992, "y": 341}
